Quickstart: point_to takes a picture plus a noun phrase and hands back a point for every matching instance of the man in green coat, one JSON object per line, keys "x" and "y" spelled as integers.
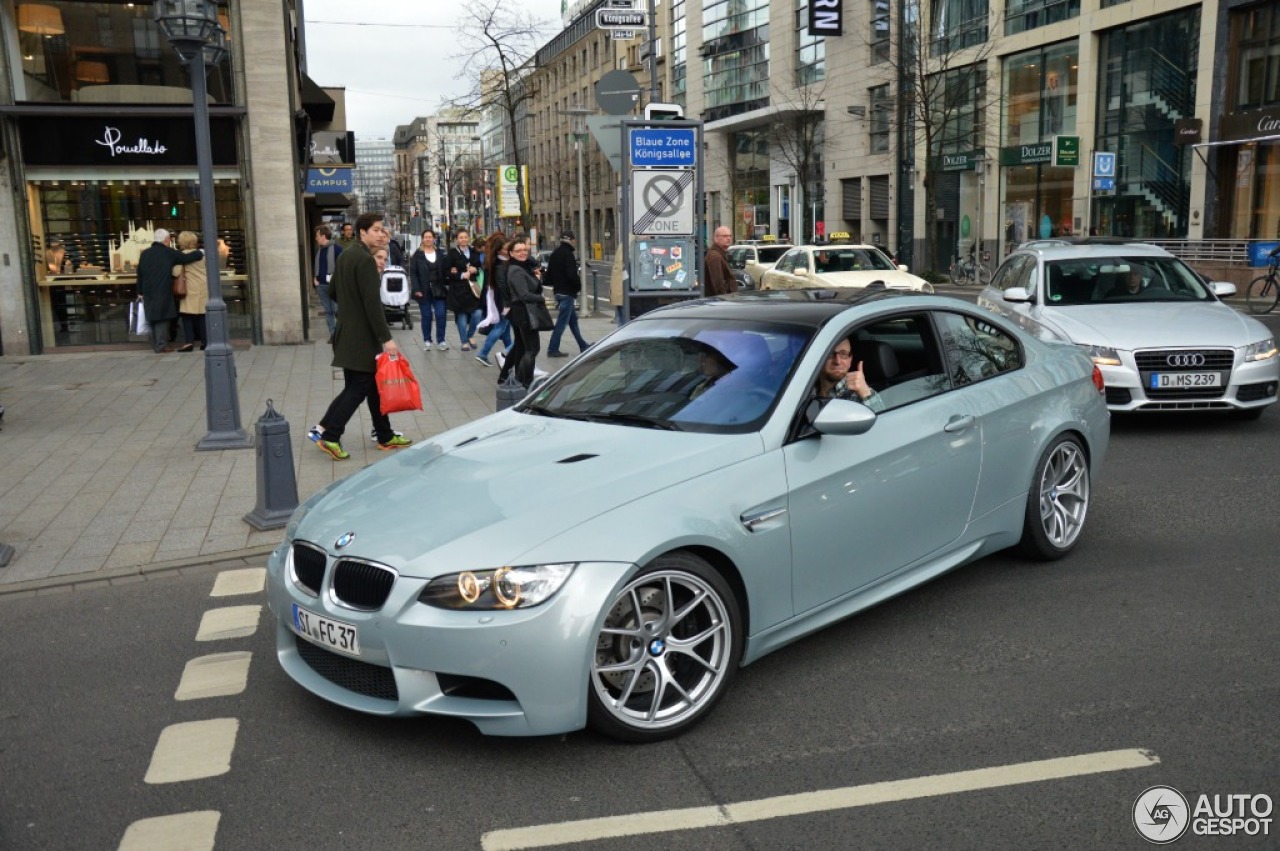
{"x": 361, "y": 334}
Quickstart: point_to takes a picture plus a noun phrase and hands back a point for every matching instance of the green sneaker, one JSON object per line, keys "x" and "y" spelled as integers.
{"x": 334, "y": 448}
{"x": 396, "y": 442}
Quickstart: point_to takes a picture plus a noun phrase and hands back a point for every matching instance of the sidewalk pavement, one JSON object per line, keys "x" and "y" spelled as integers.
{"x": 100, "y": 479}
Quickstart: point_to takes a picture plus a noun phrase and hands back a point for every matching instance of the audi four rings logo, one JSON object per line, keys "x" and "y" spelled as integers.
{"x": 1188, "y": 359}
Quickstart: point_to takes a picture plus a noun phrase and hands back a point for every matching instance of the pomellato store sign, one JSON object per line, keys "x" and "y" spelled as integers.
{"x": 120, "y": 141}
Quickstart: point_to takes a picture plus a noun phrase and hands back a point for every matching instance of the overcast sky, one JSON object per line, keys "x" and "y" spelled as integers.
{"x": 397, "y": 65}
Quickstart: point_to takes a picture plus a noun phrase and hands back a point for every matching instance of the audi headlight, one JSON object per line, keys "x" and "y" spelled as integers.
{"x": 1101, "y": 355}
{"x": 1261, "y": 350}
{"x": 501, "y": 588}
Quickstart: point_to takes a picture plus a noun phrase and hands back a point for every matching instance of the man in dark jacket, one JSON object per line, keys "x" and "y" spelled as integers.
{"x": 155, "y": 287}
{"x": 716, "y": 265}
{"x": 563, "y": 278}
{"x": 361, "y": 334}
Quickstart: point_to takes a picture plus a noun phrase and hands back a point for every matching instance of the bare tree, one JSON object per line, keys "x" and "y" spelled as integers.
{"x": 796, "y": 136}
{"x": 944, "y": 91}
{"x": 497, "y": 39}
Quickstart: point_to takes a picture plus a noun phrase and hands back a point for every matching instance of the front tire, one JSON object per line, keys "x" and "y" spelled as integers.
{"x": 1259, "y": 298}
{"x": 669, "y": 646}
{"x": 1058, "y": 501}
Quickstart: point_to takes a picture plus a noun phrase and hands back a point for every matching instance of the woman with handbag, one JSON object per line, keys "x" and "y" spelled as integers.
{"x": 528, "y": 314}
{"x": 463, "y": 286}
{"x": 496, "y": 260}
{"x": 191, "y": 289}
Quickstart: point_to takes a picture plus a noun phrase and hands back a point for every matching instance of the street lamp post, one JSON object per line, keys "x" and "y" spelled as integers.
{"x": 579, "y": 114}
{"x": 484, "y": 186}
{"x": 191, "y": 26}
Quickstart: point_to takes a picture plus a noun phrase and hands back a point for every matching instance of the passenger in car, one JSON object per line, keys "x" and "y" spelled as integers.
{"x": 838, "y": 381}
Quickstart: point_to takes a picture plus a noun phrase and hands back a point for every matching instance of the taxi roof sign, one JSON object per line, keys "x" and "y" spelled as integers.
{"x": 838, "y": 236}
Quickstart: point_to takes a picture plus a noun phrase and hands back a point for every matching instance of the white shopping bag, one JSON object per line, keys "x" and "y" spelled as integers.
{"x": 138, "y": 324}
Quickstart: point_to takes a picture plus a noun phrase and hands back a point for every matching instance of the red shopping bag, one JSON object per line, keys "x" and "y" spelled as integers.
{"x": 397, "y": 388}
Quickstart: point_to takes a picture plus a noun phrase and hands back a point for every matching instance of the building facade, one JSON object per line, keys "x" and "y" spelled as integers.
{"x": 375, "y": 170}
{"x": 97, "y": 124}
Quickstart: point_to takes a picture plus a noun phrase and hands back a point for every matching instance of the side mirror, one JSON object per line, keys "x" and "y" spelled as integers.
{"x": 1222, "y": 289}
{"x": 803, "y": 273}
{"x": 536, "y": 384}
{"x": 844, "y": 417}
{"x": 902, "y": 267}
{"x": 1017, "y": 294}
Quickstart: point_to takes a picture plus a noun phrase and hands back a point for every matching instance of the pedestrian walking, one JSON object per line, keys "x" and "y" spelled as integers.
{"x": 361, "y": 334}
{"x": 461, "y": 271}
{"x": 426, "y": 276}
{"x": 496, "y": 262}
{"x": 719, "y": 274}
{"x": 327, "y": 253}
{"x": 524, "y": 289}
{"x": 566, "y": 283}
{"x": 348, "y": 236}
{"x": 155, "y": 288}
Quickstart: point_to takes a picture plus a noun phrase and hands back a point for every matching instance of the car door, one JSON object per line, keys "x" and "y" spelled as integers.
{"x": 782, "y": 276}
{"x": 864, "y": 507}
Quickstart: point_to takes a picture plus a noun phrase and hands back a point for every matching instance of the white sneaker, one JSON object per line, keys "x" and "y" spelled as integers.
{"x": 442, "y": 346}
{"x": 501, "y": 358}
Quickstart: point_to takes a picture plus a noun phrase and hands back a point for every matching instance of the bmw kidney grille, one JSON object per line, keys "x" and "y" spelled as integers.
{"x": 361, "y": 585}
{"x": 308, "y": 567}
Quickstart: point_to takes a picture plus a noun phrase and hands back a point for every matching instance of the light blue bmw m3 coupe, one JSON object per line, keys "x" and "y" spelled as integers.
{"x": 710, "y": 482}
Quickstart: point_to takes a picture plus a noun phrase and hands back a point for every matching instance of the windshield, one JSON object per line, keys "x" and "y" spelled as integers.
{"x": 678, "y": 374}
{"x": 850, "y": 260}
{"x": 1111, "y": 280}
{"x": 771, "y": 255}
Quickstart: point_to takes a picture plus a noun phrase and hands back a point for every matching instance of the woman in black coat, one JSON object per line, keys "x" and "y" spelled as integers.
{"x": 426, "y": 274}
{"x": 524, "y": 289}
{"x": 461, "y": 271}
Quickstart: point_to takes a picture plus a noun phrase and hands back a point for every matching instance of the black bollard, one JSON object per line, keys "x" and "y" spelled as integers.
{"x": 509, "y": 393}
{"x": 277, "y": 486}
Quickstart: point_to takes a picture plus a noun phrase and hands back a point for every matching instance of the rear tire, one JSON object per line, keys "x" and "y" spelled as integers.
{"x": 1058, "y": 501}
{"x": 1261, "y": 294}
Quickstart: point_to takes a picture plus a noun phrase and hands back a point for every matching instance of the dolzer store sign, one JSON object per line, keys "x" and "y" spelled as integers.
{"x": 1027, "y": 154}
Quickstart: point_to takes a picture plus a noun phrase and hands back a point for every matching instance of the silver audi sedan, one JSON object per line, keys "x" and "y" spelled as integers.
{"x": 678, "y": 501}
{"x": 1161, "y": 335}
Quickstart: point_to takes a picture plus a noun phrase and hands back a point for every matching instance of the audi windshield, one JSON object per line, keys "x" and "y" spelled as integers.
{"x": 1112, "y": 280}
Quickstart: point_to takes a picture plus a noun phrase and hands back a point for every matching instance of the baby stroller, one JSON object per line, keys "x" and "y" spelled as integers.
{"x": 395, "y": 296}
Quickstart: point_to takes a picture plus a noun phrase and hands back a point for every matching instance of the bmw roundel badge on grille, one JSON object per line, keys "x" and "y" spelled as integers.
{"x": 346, "y": 538}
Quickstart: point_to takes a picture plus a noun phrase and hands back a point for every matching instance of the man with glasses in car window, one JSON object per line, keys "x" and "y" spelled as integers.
{"x": 838, "y": 381}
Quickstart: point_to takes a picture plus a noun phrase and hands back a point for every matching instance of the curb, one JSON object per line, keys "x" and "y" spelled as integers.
{"x": 252, "y": 557}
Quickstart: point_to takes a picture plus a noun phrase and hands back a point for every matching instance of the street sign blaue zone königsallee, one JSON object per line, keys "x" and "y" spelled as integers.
{"x": 663, "y": 147}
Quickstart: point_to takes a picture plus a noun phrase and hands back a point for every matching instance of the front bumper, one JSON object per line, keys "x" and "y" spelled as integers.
{"x": 523, "y": 672}
{"x": 1244, "y": 386}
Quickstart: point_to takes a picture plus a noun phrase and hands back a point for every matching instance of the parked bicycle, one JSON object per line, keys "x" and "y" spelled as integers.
{"x": 1262, "y": 293}
{"x": 968, "y": 270}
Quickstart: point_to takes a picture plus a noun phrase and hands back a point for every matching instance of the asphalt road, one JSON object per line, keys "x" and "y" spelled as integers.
{"x": 1157, "y": 634}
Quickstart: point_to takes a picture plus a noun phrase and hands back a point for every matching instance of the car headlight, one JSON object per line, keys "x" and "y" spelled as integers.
{"x": 1101, "y": 355}
{"x": 1261, "y": 350}
{"x": 501, "y": 588}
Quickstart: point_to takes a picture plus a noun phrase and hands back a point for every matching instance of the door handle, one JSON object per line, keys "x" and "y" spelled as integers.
{"x": 959, "y": 423}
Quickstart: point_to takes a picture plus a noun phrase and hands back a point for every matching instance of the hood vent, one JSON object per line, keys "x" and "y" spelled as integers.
{"x": 574, "y": 459}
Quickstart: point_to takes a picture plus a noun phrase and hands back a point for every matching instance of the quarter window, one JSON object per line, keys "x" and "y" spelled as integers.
{"x": 975, "y": 349}
{"x": 900, "y": 360}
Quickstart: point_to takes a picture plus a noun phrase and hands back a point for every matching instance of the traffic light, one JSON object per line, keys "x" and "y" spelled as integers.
{"x": 173, "y": 211}
{"x": 663, "y": 112}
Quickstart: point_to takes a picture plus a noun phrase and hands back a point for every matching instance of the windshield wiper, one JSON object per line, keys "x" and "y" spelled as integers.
{"x": 631, "y": 419}
{"x": 543, "y": 411}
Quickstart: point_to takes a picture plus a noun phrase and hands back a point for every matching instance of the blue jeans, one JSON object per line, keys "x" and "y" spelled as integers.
{"x": 467, "y": 323}
{"x": 432, "y": 307}
{"x": 330, "y": 313}
{"x": 501, "y": 331}
{"x": 567, "y": 307}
